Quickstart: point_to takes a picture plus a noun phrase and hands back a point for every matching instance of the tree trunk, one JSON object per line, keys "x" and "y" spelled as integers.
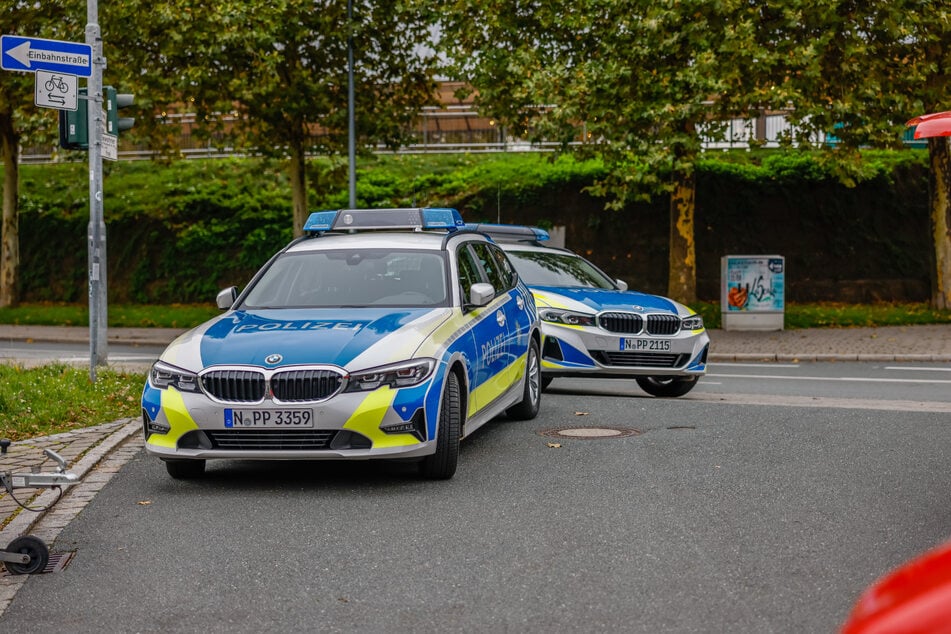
{"x": 298, "y": 167}
{"x": 10, "y": 235}
{"x": 940, "y": 186}
{"x": 682, "y": 271}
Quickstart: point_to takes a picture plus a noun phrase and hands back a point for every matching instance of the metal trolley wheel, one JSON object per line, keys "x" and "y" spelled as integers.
{"x": 34, "y": 548}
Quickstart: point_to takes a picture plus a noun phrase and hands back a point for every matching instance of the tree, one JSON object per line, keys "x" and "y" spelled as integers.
{"x": 866, "y": 69}
{"x": 280, "y": 69}
{"x": 22, "y": 122}
{"x": 647, "y": 80}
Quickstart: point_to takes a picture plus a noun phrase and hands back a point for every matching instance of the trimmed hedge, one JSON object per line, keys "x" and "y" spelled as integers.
{"x": 180, "y": 232}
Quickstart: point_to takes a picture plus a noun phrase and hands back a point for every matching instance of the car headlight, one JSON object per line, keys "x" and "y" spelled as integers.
{"x": 567, "y": 317}
{"x": 396, "y": 375}
{"x": 694, "y": 322}
{"x": 163, "y": 376}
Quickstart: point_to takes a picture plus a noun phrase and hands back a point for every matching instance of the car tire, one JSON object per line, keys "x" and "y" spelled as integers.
{"x": 442, "y": 464}
{"x": 667, "y": 385}
{"x": 527, "y": 408}
{"x": 185, "y": 469}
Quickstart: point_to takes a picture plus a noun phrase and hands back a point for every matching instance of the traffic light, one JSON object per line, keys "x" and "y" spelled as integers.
{"x": 74, "y": 125}
{"x": 115, "y": 101}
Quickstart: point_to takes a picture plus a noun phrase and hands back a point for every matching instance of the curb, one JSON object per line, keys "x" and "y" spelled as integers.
{"x": 25, "y": 520}
{"x": 812, "y": 356}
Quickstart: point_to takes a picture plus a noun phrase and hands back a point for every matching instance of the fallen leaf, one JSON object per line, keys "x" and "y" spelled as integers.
{"x": 581, "y": 413}
{"x": 554, "y": 445}
{"x": 145, "y": 502}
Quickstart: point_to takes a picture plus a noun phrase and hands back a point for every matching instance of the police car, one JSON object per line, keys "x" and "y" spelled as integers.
{"x": 383, "y": 334}
{"x": 595, "y": 327}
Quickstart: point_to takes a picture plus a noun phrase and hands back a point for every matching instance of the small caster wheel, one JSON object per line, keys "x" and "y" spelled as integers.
{"x": 28, "y": 545}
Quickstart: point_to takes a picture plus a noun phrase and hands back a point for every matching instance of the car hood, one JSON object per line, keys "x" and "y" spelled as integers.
{"x": 599, "y": 299}
{"x": 350, "y": 338}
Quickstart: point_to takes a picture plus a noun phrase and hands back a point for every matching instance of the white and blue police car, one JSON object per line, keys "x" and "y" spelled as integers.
{"x": 380, "y": 334}
{"x": 595, "y": 327}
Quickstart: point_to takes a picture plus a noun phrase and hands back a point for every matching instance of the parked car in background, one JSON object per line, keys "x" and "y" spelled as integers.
{"x": 380, "y": 334}
{"x": 595, "y": 327}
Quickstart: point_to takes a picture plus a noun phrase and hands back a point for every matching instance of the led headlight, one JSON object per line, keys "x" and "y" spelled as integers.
{"x": 396, "y": 375}
{"x": 693, "y": 322}
{"x": 567, "y": 317}
{"x": 163, "y": 376}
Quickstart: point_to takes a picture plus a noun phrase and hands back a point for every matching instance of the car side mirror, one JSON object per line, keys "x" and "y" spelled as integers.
{"x": 226, "y": 297}
{"x": 481, "y": 294}
{"x": 621, "y": 284}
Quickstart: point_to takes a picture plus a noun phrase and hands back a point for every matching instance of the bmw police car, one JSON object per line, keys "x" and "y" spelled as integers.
{"x": 380, "y": 334}
{"x": 595, "y": 327}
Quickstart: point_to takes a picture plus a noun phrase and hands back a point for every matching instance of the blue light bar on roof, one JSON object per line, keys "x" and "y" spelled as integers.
{"x": 441, "y": 218}
{"x": 320, "y": 221}
{"x": 510, "y": 233}
{"x": 369, "y": 219}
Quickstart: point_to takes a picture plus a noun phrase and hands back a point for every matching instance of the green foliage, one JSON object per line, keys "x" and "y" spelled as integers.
{"x": 55, "y": 398}
{"x": 181, "y": 232}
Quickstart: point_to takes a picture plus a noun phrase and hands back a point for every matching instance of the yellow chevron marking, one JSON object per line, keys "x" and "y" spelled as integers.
{"x": 180, "y": 421}
{"x": 368, "y": 416}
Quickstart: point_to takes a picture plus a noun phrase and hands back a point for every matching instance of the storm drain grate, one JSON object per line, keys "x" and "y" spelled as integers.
{"x": 56, "y": 563}
{"x": 589, "y": 433}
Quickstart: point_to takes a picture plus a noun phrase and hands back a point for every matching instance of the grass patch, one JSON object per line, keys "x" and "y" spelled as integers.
{"x": 835, "y": 315}
{"x": 56, "y": 398}
{"x": 819, "y": 315}
{"x": 119, "y": 316}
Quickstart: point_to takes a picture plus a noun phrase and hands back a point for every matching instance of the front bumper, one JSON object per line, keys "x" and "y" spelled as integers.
{"x": 590, "y": 351}
{"x": 383, "y": 423}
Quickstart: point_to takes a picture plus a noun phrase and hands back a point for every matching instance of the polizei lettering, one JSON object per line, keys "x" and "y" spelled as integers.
{"x": 300, "y": 325}
{"x": 493, "y": 349}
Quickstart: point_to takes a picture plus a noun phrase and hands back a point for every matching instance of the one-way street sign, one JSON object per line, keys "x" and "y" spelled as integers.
{"x": 30, "y": 54}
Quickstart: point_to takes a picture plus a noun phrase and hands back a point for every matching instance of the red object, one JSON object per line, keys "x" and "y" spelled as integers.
{"x": 915, "y": 598}
{"x": 935, "y": 124}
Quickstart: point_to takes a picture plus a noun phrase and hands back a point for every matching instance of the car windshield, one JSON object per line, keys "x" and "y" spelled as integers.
{"x": 548, "y": 268}
{"x": 351, "y": 278}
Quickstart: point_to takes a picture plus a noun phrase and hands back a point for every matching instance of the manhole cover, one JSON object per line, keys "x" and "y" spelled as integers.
{"x": 585, "y": 433}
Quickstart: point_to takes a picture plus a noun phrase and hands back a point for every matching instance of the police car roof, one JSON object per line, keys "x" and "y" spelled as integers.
{"x": 394, "y": 240}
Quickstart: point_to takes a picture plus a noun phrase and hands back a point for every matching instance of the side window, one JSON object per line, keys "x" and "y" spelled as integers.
{"x": 490, "y": 264}
{"x": 506, "y": 270}
{"x": 468, "y": 272}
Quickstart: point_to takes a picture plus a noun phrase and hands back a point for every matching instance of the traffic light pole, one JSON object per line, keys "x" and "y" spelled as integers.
{"x": 98, "y": 341}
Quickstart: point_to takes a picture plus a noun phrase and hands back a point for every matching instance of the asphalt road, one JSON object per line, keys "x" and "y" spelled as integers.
{"x": 122, "y": 355}
{"x": 718, "y": 513}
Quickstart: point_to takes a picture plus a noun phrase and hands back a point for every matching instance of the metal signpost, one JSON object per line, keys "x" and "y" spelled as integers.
{"x": 57, "y": 66}
{"x": 98, "y": 347}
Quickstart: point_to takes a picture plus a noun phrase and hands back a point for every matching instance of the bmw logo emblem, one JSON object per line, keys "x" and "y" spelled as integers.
{"x": 273, "y": 359}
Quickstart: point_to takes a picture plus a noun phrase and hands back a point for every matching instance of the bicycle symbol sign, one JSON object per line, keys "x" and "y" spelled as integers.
{"x": 56, "y": 90}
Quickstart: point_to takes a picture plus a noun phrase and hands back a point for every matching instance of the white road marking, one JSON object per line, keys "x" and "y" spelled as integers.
{"x": 847, "y": 379}
{"x": 820, "y": 401}
{"x": 900, "y": 367}
{"x": 754, "y": 365}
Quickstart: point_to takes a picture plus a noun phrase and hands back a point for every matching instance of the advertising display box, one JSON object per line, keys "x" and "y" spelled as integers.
{"x": 752, "y": 292}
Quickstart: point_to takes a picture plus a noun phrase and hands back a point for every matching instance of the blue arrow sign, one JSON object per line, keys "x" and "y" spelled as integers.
{"x": 30, "y": 54}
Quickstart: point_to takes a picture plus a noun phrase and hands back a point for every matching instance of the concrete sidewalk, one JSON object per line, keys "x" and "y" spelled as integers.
{"x": 886, "y": 343}
{"x": 95, "y": 453}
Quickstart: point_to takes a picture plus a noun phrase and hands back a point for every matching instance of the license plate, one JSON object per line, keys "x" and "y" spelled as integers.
{"x": 271, "y": 418}
{"x": 646, "y": 345}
